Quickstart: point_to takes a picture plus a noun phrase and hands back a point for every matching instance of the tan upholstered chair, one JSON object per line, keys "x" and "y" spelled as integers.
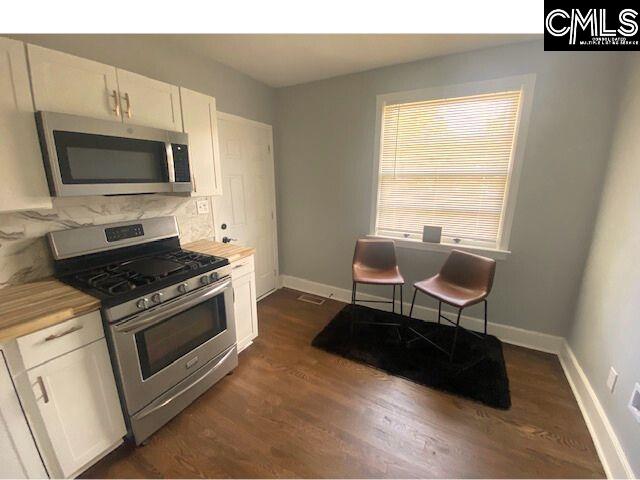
{"x": 374, "y": 263}
{"x": 464, "y": 280}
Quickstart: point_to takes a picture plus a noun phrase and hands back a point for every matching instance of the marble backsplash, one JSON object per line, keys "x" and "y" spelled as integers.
{"x": 24, "y": 253}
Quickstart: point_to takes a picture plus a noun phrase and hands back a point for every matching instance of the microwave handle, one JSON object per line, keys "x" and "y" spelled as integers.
{"x": 171, "y": 168}
{"x": 165, "y": 311}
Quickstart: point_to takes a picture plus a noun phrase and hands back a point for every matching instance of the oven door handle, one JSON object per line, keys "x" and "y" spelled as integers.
{"x": 153, "y": 408}
{"x": 151, "y": 318}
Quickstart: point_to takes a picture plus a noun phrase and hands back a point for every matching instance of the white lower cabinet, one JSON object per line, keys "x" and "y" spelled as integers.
{"x": 20, "y": 458}
{"x": 78, "y": 401}
{"x": 67, "y": 395}
{"x": 245, "y": 309}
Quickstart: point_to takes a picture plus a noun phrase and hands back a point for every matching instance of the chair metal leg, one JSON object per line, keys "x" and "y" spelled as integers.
{"x": 439, "y": 311}
{"x": 353, "y": 309}
{"x": 455, "y": 336}
{"x": 415, "y": 290}
{"x": 400, "y": 300}
{"x": 485, "y": 317}
{"x": 393, "y": 302}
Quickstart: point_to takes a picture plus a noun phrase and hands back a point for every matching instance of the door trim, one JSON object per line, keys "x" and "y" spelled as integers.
{"x": 238, "y": 118}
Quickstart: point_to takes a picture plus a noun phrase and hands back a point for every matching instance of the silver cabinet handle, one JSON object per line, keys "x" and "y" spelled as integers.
{"x": 116, "y": 103}
{"x": 62, "y": 334}
{"x": 45, "y": 395}
{"x": 128, "y": 100}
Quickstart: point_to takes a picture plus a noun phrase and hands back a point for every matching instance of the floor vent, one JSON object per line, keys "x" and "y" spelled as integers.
{"x": 311, "y": 299}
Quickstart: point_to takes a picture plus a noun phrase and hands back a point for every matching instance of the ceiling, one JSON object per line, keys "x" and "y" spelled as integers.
{"x": 283, "y": 60}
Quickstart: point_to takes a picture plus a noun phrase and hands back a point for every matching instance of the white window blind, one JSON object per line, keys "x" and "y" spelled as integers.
{"x": 447, "y": 163}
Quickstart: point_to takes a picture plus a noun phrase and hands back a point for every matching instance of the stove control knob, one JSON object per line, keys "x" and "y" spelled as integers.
{"x": 157, "y": 297}
{"x": 204, "y": 280}
{"x": 182, "y": 288}
{"x": 142, "y": 303}
{"x": 213, "y": 277}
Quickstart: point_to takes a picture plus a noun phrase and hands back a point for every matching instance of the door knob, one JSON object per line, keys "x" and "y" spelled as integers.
{"x": 227, "y": 239}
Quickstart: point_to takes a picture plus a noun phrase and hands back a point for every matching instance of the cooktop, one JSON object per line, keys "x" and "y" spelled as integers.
{"x": 132, "y": 277}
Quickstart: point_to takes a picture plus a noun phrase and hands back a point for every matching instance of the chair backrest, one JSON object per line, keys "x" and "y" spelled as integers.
{"x": 375, "y": 253}
{"x": 469, "y": 271}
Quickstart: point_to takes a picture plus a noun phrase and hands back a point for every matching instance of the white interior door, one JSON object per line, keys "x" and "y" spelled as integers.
{"x": 246, "y": 211}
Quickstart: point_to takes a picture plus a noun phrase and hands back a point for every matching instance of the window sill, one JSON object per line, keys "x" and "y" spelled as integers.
{"x": 494, "y": 253}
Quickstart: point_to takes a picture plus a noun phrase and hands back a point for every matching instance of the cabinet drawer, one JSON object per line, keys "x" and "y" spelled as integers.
{"x": 242, "y": 267}
{"x": 39, "y": 347}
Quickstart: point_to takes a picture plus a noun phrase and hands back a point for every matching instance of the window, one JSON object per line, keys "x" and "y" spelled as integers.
{"x": 448, "y": 161}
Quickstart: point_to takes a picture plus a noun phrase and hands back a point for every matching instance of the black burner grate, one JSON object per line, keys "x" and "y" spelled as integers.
{"x": 122, "y": 277}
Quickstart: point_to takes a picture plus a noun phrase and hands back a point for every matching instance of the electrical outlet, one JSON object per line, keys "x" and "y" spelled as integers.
{"x": 611, "y": 379}
{"x": 634, "y": 402}
{"x": 203, "y": 206}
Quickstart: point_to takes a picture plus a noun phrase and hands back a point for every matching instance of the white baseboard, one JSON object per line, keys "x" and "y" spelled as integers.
{"x": 610, "y": 451}
{"x": 508, "y": 334}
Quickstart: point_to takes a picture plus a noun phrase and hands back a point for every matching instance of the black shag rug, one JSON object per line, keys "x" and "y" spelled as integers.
{"x": 477, "y": 372}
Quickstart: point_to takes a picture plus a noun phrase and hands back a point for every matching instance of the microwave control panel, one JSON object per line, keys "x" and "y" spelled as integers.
{"x": 181, "y": 162}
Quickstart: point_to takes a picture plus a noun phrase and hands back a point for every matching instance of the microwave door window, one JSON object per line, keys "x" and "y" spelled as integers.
{"x": 86, "y": 159}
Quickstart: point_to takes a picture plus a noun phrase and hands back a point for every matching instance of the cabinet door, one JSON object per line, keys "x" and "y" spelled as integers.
{"x": 77, "y": 398}
{"x": 245, "y": 310}
{"x": 69, "y": 84}
{"x": 149, "y": 102}
{"x": 200, "y": 122}
{"x": 20, "y": 458}
{"x": 24, "y": 185}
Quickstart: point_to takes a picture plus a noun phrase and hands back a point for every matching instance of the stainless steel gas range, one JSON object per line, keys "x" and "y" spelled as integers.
{"x": 168, "y": 313}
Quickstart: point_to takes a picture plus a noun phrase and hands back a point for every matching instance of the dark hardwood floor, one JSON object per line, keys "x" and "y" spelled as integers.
{"x": 290, "y": 410}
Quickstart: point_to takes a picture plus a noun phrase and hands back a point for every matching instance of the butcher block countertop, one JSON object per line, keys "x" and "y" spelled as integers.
{"x": 33, "y": 306}
{"x": 227, "y": 250}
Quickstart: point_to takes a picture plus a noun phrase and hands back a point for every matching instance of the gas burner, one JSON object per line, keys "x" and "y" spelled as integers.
{"x": 129, "y": 275}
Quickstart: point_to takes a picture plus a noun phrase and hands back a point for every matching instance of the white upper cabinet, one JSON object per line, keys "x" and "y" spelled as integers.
{"x": 200, "y": 122}
{"x": 69, "y": 84}
{"x": 24, "y": 185}
{"x": 149, "y": 102}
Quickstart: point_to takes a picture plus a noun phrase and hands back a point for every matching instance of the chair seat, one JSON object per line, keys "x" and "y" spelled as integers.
{"x": 375, "y": 276}
{"x": 449, "y": 293}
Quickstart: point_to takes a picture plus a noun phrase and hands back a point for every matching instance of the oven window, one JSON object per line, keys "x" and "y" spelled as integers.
{"x": 165, "y": 342}
{"x": 87, "y": 159}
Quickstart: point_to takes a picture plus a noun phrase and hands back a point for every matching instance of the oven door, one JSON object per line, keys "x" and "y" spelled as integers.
{"x": 85, "y": 156}
{"x": 157, "y": 349}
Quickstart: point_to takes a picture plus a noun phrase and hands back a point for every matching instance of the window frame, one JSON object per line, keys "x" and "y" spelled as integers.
{"x": 524, "y": 83}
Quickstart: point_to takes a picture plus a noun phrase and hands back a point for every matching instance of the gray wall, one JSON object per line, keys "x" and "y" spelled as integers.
{"x": 606, "y": 330}
{"x": 156, "y": 56}
{"x": 324, "y": 164}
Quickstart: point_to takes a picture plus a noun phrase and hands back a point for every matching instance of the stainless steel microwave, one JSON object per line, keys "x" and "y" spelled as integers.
{"x": 87, "y": 156}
